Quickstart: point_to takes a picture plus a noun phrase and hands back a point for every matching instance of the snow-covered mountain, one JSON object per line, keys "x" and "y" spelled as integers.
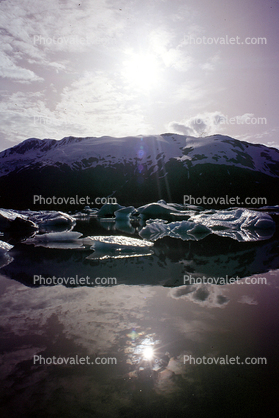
{"x": 139, "y": 169}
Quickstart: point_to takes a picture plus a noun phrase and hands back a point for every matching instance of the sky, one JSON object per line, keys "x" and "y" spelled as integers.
{"x": 139, "y": 67}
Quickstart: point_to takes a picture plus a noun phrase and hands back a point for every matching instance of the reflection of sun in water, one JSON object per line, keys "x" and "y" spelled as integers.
{"x": 141, "y": 71}
{"x": 141, "y": 350}
{"x": 147, "y": 353}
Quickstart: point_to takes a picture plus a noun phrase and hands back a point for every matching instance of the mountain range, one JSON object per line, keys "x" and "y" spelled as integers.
{"x": 137, "y": 170}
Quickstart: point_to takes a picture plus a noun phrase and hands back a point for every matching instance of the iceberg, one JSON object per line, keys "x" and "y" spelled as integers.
{"x": 59, "y": 240}
{"x": 4, "y": 247}
{"x": 272, "y": 210}
{"x": 117, "y": 247}
{"x": 124, "y": 226}
{"x": 12, "y": 220}
{"x": 108, "y": 209}
{"x": 187, "y": 231}
{"x": 124, "y": 213}
{"x": 238, "y": 224}
{"x": 15, "y": 220}
{"x": 5, "y": 259}
{"x": 49, "y": 220}
{"x": 122, "y": 220}
{"x": 85, "y": 213}
{"x": 164, "y": 210}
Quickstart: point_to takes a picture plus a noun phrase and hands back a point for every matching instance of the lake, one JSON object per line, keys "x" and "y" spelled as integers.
{"x": 190, "y": 329}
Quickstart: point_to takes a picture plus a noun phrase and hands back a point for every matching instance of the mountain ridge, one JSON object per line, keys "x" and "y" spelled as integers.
{"x": 37, "y": 149}
{"x": 138, "y": 169}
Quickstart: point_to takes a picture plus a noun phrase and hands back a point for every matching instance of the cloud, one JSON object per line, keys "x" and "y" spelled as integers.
{"x": 61, "y": 43}
{"x": 95, "y": 329}
{"x": 93, "y": 105}
{"x": 30, "y": 33}
{"x": 164, "y": 44}
{"x": 210, "y": 296}
{"x": 212, "y": 63}
{"x": 190, "y": 91}
{"x": 9, "y": 69}
{"x": 210, "y": 123}
{"x": 247, "y": 300}
{"x": 203, "y": 124}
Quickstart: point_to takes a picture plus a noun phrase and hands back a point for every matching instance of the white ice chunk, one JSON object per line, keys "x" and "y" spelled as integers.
{"x": 11, "y": 218}
{"x": 86, "y": 213}
{"x": 187, "y": 231}
{"x": 49, "y": 218}
{"x": 4, "y": 246}
{"x": 124, "y": 213}
{"x": 5, "y": 258}
{"x": 108, "y": 209}
{"x": 62, "y": 240}
{"x": 238, "y": 224}
{"x": 118, "y": 247}
{"x": 161, "y": 209}
{"x": 235, "y": 219}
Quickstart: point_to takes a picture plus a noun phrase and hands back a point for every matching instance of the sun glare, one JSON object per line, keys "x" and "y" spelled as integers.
{"x": 141, "y": 71}
{"x": 148, "y": 353}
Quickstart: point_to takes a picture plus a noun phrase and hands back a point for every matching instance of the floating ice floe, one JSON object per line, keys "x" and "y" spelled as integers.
{"x": 124, "y": 226}
{"x": 48, "y": 219}
{"x": 12, "y": 220}
{"x": 85, "y": 213}
{"x": 122, "y": 220}
{"x": 164, "y": 210}
{"x": 108, "y": 209}
{"x": 59, "y": 240}
{"x": 117, "y": 247}
{"x": 239, "y": 224}
{"x": 124, "y": 213}
{"x": 4, "y": 247}
{"x": 272, "y": 210}
{"x": 187, "y": 231}
{"x": 5, "y": 258}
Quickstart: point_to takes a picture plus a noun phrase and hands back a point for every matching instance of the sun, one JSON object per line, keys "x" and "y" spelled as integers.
{"x": 141, "y": 71}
